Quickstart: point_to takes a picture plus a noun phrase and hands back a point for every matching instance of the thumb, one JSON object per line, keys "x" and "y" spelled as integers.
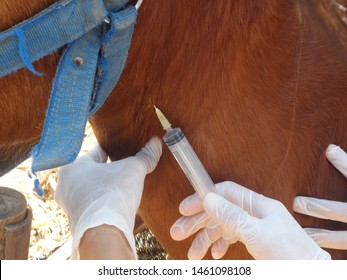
{"x": 96, "y": 154}
{"x": 150, "y": 154}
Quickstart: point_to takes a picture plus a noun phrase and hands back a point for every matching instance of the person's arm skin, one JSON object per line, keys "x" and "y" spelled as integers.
{"x": 105, "y": 242}
{"x": 326, "y": 209}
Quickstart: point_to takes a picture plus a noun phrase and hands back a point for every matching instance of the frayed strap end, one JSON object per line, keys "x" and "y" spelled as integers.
{"x": 37, "y": 185}
{"x": 22, "y": 48}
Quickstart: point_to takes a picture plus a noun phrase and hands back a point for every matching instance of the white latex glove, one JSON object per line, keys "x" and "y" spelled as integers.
{"x": 326, "y": 209}
{"x": 92, "y": 192}
{"x": 264, "y": 225}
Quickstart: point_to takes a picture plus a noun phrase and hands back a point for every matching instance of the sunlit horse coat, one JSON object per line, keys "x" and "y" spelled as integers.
{"x": 258, "y": 87}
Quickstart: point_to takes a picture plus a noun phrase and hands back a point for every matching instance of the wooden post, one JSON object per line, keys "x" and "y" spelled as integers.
{"x": 15, "y": 225}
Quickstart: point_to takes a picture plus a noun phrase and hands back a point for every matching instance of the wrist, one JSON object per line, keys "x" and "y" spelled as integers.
{"x": 322, "y": 255}
{"x": 104, "y": 211}
{"x": 105, "y": 242}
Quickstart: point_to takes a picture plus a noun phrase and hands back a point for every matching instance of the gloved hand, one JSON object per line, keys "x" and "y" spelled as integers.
{"x": 264, "y": 225}
{"x": 326, "y": 209}
{"x": 92, "y": 192}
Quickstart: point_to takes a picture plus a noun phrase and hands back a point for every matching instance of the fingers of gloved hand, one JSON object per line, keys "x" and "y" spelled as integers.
{"x": 328, "y": 239}
{"x": 230, "y": 217}
{"x": 96, "y": 154}
{"x": 231, "y": 191}
{"x": 253, "y": 203}
{"x": 220, "y": 247}
{"x": 191, "y": 205}
{"x": 202, "y": 242}
{"x": 186, "y": 226}
{"x": 338, "y": 158}
{"x": 250, "y": 201}
{"x": 150, "y": 154}
{"x": 321, "y": 208}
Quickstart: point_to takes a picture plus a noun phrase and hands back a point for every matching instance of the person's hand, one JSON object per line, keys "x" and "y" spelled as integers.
{"x": 92, "y": 192}
{"x": 264, "y": 225}
{"x": 326, "y": 209}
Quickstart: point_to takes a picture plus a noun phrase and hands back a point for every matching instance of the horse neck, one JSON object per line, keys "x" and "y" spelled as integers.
{"x": 23, "y": 96}
{"x": 237, "y": 39}
{"x": 15, "y": 11}
{"x": 249, "y": 23}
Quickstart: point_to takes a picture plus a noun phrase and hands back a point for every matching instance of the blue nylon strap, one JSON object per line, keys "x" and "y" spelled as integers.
{"x": 75, "y": 91}
{"x": 115, "y": 5}
{"x": 114, "y": 51}
{"x": 60, "y": 24}
{"x": 88, "y": 70}
{"x": 69, "y": 104}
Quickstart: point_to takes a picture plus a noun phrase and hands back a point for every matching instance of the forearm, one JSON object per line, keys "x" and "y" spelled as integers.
{"x": 105, "y": 242}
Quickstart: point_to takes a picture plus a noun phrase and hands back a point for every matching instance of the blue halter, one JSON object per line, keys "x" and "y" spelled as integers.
{"x": 97, "y": 36}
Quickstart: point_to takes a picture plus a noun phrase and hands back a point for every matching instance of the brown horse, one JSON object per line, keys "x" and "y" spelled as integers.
{"x": 258, "y": 87}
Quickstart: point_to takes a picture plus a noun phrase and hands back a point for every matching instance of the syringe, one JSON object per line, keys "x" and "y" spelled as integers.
{"x": 186, "y": 157}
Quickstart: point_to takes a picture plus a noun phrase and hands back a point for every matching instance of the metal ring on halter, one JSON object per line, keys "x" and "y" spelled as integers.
{"x": 137, "y": 7}
{"x": 138, "y": 4}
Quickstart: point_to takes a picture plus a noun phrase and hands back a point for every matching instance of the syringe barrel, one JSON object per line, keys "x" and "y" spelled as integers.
{"x": 189, "y": 161}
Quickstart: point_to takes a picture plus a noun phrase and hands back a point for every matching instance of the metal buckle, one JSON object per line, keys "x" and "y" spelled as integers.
{"x": 138, "y": 4}
{"x": 137, "y": 7}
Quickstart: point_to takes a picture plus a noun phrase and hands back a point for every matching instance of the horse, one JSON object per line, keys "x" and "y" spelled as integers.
{"x": 258, "y": 87}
